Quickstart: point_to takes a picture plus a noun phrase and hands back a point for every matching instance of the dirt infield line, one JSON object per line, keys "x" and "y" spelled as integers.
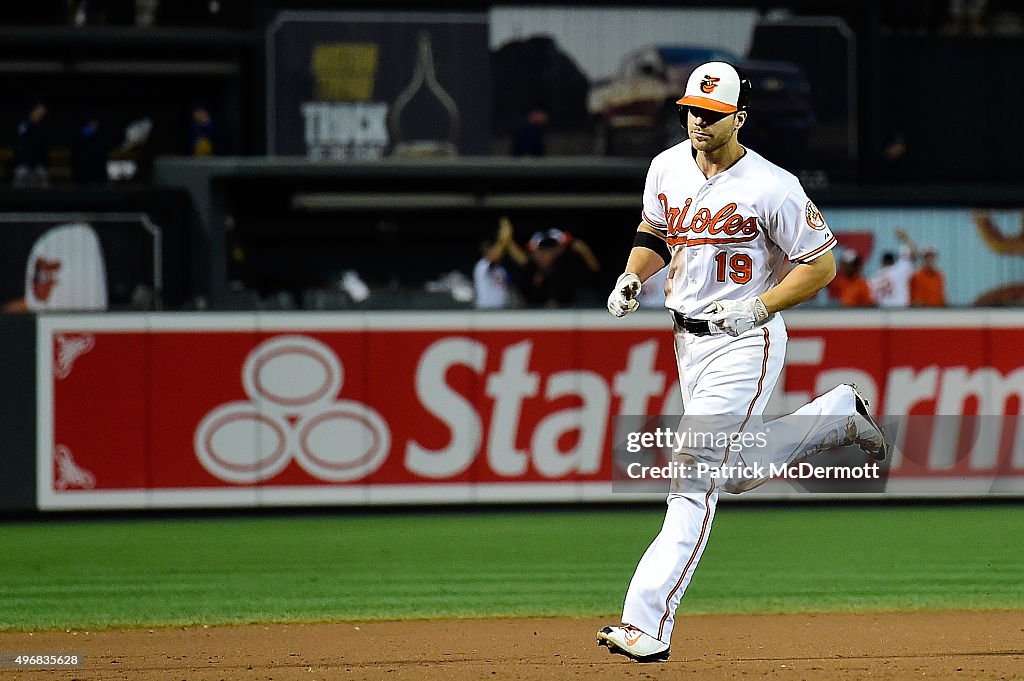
{"x": 907, "y": 645}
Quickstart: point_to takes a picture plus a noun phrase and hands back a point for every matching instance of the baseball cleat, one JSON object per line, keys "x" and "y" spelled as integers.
{"x": 629, "y": 641}
{"x": 870, "y": 436}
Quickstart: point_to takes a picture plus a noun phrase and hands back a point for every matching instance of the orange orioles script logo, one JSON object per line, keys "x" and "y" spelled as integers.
{"x": 815, "y": 220}
{"x": 44, "y": 278}
{"x": 724, "y": 226}
{"x": 708, "y": 84}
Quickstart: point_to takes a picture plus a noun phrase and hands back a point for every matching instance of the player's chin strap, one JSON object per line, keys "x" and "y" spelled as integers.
{"x": 737, "y": 316}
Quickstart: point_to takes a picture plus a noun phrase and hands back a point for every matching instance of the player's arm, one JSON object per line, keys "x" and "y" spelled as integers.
{"x": 649, "y": 254}
{"x": 504, "y": 236}
{"x": 508, "y": 243}
{"x": 904, "y": 238}
{"x": 801, "y": 283}
{"x": 586, "y": 255}
{"x": 814, "y": 267}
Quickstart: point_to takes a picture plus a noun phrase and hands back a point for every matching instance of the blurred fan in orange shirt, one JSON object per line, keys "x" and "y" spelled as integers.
{"x": 928, "y": 286}
{"x": 849, "y": 285}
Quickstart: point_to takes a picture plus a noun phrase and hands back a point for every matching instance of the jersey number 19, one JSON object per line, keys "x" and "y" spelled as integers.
{"x": 739, "y": 266}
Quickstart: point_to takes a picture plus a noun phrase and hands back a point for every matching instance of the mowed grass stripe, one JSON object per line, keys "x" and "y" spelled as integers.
{"x": 760, "y": 559}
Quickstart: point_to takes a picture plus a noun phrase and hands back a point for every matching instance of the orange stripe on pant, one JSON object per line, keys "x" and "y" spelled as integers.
{"x": 686, "y": 568}
{"x": 707, "y": 497}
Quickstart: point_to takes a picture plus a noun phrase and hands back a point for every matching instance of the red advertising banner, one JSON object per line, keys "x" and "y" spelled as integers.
{"x": 171, "y": 410}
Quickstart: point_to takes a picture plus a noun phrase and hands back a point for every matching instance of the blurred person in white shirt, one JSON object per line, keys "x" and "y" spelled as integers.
{"x": 490, "y": 277}
{"x": 890, "y": 286}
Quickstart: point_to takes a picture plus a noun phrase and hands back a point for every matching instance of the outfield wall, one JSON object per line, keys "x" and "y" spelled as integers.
{"x": 260, "y": 409}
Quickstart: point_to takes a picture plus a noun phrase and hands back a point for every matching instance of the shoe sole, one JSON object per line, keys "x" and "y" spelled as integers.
{"x": 615, "y": 649}
{"x": 862, "y": 409}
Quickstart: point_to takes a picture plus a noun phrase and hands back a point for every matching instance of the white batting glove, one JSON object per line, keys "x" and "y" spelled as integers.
{"x": 737, "y": 316}
{"x": 622, "y": 300}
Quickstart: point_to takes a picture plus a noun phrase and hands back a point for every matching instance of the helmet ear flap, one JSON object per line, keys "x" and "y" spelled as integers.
{"x": 743, "y": 101}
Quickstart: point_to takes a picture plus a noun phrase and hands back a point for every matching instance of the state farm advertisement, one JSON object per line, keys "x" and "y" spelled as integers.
{"x": 165, "y": 410}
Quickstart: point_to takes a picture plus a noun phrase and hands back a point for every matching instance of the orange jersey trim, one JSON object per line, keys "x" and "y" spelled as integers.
{"x": 816, "y": 252}
{"x": 760, "y": 381}
{"x": 683, "y": 241}
{"x": 693, "y": 556}
{"x": 652, "y": 223}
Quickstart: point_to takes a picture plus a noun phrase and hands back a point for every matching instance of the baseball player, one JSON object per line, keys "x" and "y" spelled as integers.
{"x": 723, "y": 220}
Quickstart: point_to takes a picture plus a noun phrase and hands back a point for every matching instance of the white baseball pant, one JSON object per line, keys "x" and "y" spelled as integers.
{"x": 723, "y": 375}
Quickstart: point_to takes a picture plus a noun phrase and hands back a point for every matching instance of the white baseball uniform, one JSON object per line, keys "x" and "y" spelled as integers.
{"x": 729, "y": 237}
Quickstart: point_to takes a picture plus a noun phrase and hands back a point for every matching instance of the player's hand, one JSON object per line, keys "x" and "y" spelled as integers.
{"x": 622, "y": 300}
{"x": 737, "y": 316}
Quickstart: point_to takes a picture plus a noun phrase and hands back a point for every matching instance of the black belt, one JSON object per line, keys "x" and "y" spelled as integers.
{"x": 698, "y": 327}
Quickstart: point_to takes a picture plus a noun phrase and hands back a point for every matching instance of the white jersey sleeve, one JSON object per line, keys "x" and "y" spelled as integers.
{"x": 654, "y": 204}
{"x": 799, "y": 228}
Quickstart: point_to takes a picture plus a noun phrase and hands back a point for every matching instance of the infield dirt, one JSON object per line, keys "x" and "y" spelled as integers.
{"x": 910, "y": 645}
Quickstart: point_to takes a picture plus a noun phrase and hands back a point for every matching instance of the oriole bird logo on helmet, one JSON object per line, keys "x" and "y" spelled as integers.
{"x": 708, "y": 84}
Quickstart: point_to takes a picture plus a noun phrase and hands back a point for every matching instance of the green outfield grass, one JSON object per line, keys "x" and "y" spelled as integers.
{"x": 88, "y": 574}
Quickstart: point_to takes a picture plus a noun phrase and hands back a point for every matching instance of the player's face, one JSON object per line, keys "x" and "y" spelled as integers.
{"x": 709, "y": 130}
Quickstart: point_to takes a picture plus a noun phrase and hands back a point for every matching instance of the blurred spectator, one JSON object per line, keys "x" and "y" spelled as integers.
{"x": 32, "y": 150}
{"x": 556, "y": 271}
{"x": 490, "y": 276}
{"x": 101, "y": 12}
{"x": 966, "y": 16}
{"x": 454, "y": 283}
{"x": 928, "y": 286}
{"x": 200, "y": 13}
{"x": 132, "y": 160}
{"x": 851, "y": 286}
{"x": 1005, "y": 17}
{"x": 890, "y": 287}
{"x": 895, "y": 156}
{"x": 89, "y": 155}
{"x": 529, "y": 137}
{"x": 145, "y": 12}
{"x": 201, "y": 137}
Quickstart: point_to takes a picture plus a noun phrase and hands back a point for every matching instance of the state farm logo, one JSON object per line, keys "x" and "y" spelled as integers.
{"x": 69, "y": 474}
{"x": 70, "y": 347}
{"x": 292, "y": 414}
